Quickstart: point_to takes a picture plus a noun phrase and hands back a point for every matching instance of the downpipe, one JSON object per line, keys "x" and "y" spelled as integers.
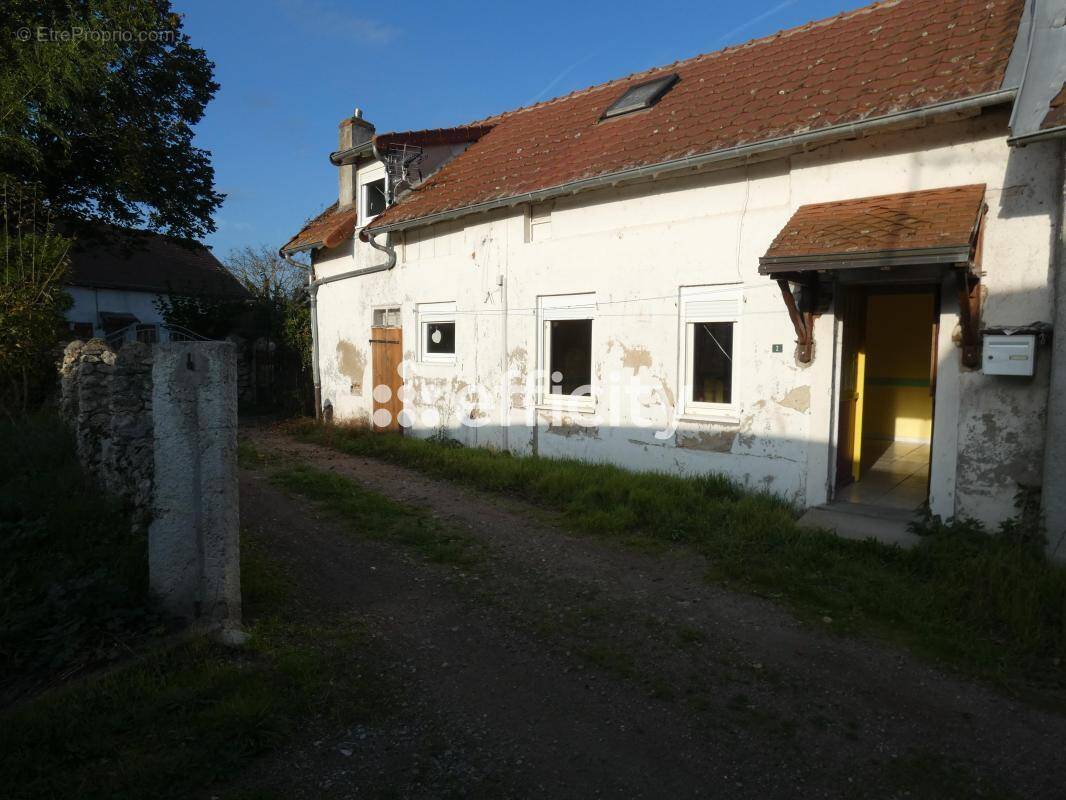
{"x": 312, "y": 288}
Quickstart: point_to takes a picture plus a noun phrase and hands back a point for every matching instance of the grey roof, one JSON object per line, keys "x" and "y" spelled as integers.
{"x": 1038, "y": 67}
{"x": 109, "y": 257}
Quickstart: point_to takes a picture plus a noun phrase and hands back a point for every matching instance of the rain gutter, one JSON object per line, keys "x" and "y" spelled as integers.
{"x": 340, "y": 158}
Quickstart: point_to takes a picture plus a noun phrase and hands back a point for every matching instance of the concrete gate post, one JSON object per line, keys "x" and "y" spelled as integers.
{"x": 193, "y": 539}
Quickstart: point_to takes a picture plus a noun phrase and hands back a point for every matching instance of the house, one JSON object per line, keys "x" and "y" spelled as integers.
{"x": 117, "y": 276}
{"x": 821, "y": 262}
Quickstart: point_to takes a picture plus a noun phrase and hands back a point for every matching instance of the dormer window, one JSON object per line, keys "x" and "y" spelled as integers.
{"x": 643, "y": 95}
{"x": 373, "y": 199}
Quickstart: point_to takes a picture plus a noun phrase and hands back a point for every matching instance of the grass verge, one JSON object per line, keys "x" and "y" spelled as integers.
{"x": 993, "y": 606}
{"x": 375, "y": 516}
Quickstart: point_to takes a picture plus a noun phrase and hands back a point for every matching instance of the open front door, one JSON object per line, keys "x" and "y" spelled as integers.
{"x": 852, "y": 380}
{"x": 386, "y": 347}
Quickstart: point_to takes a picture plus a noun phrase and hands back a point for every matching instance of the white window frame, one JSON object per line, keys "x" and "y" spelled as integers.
{"x": 364, "y": 194}
{"x": 561, "y": 307}
{"x": 717, "y": 303}
{"x": 429, "y": 313}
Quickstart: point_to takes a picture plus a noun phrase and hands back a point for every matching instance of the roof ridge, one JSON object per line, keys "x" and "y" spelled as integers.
{"x": 839, "y": 17}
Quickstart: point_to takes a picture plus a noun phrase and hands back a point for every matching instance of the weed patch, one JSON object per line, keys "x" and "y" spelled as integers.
{"x": 375, "y": 516}
{"x": 248, "y": 455}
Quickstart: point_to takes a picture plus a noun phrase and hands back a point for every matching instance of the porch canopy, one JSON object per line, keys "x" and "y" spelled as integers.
{"x": 906, "y": 237}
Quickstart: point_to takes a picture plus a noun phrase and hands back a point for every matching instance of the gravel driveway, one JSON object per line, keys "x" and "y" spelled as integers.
{"x": 566, "y": 666}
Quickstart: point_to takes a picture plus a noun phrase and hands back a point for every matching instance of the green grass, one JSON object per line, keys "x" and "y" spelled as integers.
{"x": 990, "y": 605}
{"x": 182, "y": 720}
{"x": 171, "y": 722}
{"x": 375, "y": 516}
{"x": 248, "y": 455}
{"x": 73, "y": 577}
{"x": 178, "y": 721}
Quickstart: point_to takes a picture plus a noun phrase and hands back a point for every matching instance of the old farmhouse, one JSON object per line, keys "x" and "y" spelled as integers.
{"x": 823, "y": 263}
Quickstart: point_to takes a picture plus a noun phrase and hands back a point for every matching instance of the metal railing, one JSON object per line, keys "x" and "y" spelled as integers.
{"x": 151, "y": 334}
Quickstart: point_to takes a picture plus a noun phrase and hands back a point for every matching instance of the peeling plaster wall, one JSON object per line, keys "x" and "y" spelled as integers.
{"x": 634, "y": 247}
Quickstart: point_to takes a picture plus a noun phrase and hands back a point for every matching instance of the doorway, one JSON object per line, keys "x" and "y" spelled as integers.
{"x": 888, "y": 386}
{"x": 386, "y": 348}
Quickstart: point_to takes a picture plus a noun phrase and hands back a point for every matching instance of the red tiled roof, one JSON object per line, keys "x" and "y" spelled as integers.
{"x": 328, "y": 229}
{"x": 935, "y": 218}
{"x": 888, "y": 57}
{"x": 1056, "y": 113}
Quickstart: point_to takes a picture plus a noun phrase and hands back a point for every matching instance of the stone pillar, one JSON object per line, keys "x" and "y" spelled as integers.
{"x": 193, "y": 540}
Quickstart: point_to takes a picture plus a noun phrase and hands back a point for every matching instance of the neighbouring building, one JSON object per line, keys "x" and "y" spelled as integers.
{"x": 117, "y": 276}
{"x": 824, "y": 263}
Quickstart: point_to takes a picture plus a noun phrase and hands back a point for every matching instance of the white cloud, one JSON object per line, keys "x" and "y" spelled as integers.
{"x": 725, "y": 37}
{"x": 323, "y": 18}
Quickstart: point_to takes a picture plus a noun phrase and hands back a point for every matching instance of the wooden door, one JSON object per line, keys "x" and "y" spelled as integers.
{"x": 852, "y": 379}
{"x": 386, "y": 348}
{"x": 933, "y": 362}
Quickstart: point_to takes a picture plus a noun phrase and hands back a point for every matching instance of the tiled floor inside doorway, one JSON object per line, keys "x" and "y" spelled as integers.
{"x": 894, "y": 475}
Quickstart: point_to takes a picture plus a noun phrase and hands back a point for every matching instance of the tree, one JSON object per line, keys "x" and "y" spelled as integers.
{"x": 209, "y": 317}
{"x": 264, "y": 272}
{"x": 281, "y": 317}
{"x": 33, "y": 264}
{"x": 97, "y": 103}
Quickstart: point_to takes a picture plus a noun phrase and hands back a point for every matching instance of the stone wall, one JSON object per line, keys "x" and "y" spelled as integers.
{"x": 106, "y": 398}
{"x": 157, "y": 426}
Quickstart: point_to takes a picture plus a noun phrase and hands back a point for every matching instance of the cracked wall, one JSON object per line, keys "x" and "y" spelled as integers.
{"x": 634, "y": 248}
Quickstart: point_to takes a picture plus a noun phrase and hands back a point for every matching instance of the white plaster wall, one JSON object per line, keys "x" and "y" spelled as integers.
{"x": 634, "y": 247}
{"x": 89, "y": 303}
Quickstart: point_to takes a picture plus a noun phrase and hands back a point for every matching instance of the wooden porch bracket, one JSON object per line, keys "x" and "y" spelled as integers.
{"x": 969, "y": 288}
{"x": 802, "y": 318}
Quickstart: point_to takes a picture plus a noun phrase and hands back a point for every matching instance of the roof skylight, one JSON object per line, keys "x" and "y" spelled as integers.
{"x": 643, "y": 95}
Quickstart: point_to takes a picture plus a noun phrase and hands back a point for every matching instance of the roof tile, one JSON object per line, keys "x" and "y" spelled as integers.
{"x": 884, "y": 58}
{"x": 328, "y": 229}
{"x": 907, "y": 221}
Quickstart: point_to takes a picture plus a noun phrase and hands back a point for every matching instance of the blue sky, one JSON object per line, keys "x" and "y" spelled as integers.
{"x": 290, "y": 70}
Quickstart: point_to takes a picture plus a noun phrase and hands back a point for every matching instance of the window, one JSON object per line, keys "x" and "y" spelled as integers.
{"x": 386, "y": 318}
{"x": 570, "y": 359}
{"x": 82, "y": 330}
{"x": 436, "y": 322}
{"x": 565, "y": 359}
{"x": 539, "y": 222}
{"x": 641, "y": 96}
{"x": 373, "y": 199}
{"x": 148, "y": 334}
{"x": 709, "y": 319}
{"x": 712, "y": 362}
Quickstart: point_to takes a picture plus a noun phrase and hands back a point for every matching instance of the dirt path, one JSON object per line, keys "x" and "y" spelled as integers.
{"x": 567, "y": 667}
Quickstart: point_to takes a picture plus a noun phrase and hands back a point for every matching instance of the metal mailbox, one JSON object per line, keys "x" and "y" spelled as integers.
{"x": 1008, "y": 355}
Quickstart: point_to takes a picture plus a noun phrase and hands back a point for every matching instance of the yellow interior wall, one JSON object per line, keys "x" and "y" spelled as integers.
{"x": 898, "y": 349}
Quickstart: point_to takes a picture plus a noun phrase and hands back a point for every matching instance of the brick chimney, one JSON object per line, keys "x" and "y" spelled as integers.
{"x": 352, "y": 132}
